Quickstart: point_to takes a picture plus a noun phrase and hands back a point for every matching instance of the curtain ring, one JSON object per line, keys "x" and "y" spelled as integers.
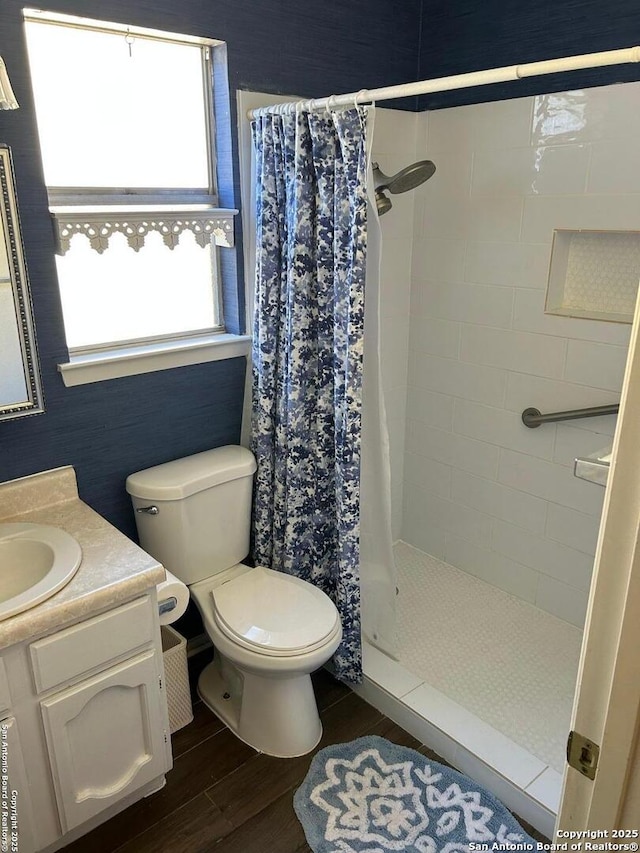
{"x": 331, "y": 107}
{"x": 362, "y": 92}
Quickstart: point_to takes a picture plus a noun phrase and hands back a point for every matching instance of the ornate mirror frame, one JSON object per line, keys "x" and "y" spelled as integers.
{"x": 11, "y": 243}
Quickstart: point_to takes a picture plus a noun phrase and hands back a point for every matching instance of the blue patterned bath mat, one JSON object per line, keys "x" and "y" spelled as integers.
{"x": 372, "y": 796}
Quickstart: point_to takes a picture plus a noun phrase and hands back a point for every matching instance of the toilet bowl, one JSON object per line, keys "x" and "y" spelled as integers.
{"x": 269, "y": 630}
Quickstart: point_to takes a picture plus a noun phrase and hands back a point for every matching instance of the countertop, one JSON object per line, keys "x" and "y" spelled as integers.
{"x": 113, "y": 568}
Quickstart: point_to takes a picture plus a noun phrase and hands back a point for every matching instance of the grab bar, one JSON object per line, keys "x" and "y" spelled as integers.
{"x": 532, "y": 418}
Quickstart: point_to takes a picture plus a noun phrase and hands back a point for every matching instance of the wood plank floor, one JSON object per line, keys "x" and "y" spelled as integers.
{"x": 223, "y": 795}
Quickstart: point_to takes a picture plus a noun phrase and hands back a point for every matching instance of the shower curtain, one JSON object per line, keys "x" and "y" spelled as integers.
{"x": 311, "y": 243}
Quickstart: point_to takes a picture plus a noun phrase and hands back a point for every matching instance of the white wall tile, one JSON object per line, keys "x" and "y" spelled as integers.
{"x": 438, "y": 260}
{"x": 535, "y": 271}
{"x": 561, "y": 600}
{"x": 551, "y": 558}
{"x": 428, "y": 538}
{"x": 493, "y": 263}
{"x": 395, "y": 277}
{"x": 572, "y": 442}
{"x": 560, "y": 169}
{"x": 492, "y": 568}
{"x": 494, "y": 217}
{"x": 398, "y": 224}
{"x": 434, "y": 336}
{"x": 548, "y": 481}
{"x": 604, "y": 212}
{"x": 500, "y": 124}
{"x": 447, "y": 516}
{"x": 502, "y": 428}
{"x": 430, "y": 408}
{"x": 432, "y": 476}
{"x": 395, "y": 132}
{"x": 586, "y": 114}
{"x": 529, "y": 316}
{"x": 452, "y": 177}
{"x": 470, "y": 303}
{"x": 525, "y": 171}
{"x": 550, "y": 395}
{"x": 446, "y": 376}
{"x": 446, "y": 218}
{"x": 595, "y": 364}
{"x": 572, "y": 528}
{"x": 482, "y": 348}
{"x": 476, "y": 457}
{"x": 614, "y": 167}
{"x": 540, "y": 355}
{"x": 500, "y": 501}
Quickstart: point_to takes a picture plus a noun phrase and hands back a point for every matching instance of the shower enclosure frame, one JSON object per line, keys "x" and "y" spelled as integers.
{"x": 607, "y": 702}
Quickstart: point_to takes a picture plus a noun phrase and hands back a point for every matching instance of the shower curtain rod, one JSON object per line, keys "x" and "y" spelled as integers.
{"x": 460, "y": 81}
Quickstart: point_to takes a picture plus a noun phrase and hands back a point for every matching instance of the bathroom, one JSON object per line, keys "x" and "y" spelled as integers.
{"x": 109, "y": 429}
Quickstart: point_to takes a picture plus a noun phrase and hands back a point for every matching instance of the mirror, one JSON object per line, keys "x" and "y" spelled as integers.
{"x": 20, "y": 388}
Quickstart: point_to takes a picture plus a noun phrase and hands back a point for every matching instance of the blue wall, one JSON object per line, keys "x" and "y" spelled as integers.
{"x": 109, "y": 429}
{"x": 468, "y": 35}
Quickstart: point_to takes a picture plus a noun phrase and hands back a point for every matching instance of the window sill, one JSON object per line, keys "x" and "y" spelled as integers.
{"x": 113, "y": 364}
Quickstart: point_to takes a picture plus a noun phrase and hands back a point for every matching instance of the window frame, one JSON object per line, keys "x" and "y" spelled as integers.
{"x": 100, "y": 204}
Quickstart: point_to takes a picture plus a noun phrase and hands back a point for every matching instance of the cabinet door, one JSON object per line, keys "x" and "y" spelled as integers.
{"x": 105, "y": 738}
{"x": 16, "y": 816}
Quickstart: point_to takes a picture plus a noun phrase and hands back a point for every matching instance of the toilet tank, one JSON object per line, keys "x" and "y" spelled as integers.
{"x": 203, "y": 516}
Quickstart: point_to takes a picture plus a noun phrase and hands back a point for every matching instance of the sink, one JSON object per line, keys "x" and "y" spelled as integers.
{"x": 36, "y": 560}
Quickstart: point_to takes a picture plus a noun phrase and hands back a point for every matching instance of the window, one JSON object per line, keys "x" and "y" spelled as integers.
{"x": 125, "y": 119}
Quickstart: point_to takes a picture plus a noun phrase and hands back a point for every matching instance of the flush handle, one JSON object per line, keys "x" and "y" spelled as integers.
{"x": 149, "y": 510}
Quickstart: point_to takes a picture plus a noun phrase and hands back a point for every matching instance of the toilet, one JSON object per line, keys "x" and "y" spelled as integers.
{"x": 269, "y": 630}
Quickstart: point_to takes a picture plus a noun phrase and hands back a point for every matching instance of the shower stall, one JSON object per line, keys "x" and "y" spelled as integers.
{"x": 494, "y": 536}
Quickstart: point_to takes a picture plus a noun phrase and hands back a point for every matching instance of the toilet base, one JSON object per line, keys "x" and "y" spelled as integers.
{"x": 277, "y": 716}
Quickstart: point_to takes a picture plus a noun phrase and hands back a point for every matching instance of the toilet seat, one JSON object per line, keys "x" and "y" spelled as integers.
{"x": 272, "y": 613}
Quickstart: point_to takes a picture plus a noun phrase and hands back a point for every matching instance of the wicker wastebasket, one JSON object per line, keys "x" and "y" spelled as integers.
{"x": 174, "y": 655}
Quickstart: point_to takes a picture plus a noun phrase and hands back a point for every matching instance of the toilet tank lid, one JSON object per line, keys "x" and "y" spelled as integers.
{"x": 180, "y": 478}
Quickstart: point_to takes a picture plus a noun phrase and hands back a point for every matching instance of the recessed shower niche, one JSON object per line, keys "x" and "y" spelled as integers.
{"x": 594, "y": 274}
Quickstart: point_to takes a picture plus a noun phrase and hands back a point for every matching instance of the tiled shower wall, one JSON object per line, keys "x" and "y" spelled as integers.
{"x": 482, "y": 491}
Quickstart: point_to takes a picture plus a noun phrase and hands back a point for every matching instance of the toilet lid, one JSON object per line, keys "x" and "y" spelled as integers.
{"x": 273, "y": 611}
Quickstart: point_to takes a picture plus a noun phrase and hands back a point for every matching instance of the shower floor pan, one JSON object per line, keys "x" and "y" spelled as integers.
{"x": 483, "y": 678}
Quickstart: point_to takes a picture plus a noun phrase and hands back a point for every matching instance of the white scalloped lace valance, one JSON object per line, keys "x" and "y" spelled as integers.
{"x": 206, "y": 225}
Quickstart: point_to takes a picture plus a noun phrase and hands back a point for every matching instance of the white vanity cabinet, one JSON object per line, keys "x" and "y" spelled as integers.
{"x": 90, "y": 703}
{"x": 105, "y": 738}
{"x": 16, "y": 816}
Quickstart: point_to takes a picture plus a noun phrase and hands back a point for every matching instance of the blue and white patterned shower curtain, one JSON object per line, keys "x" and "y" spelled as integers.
{"x": 311, "y": 215}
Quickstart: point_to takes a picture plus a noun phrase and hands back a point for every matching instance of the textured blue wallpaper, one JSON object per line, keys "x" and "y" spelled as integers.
{"x": 469, "y": 35}
{"x": 109, "y": 429}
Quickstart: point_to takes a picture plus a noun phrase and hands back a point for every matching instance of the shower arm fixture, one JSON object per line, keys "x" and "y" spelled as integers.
{"x": 406, "y": 179}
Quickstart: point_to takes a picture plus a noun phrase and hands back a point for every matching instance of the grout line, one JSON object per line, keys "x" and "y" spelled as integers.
{"x": 535, "y": 778}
